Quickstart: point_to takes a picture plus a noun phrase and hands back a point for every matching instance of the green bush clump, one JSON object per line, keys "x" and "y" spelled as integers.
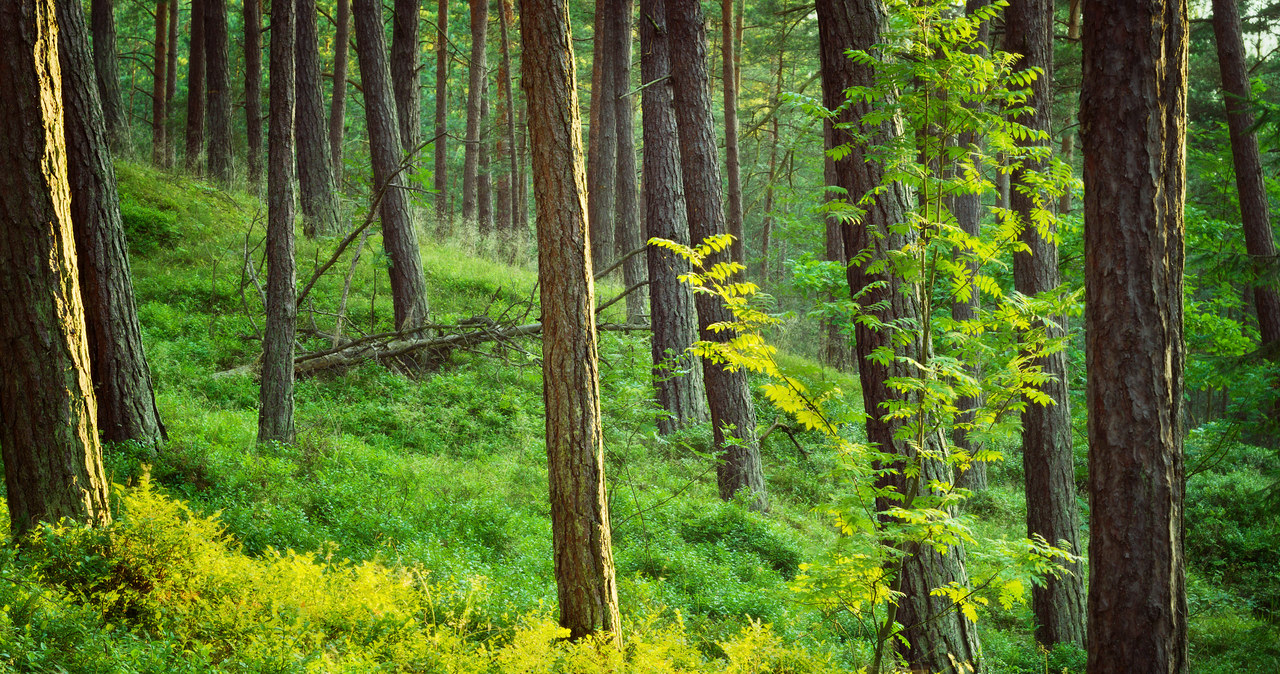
{"x": 1232, "y": 533}
{"x": 146, "y": 228}
{"x": 734, "y": 527}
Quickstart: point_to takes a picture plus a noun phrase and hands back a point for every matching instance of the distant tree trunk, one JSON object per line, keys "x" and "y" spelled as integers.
{"x": 484, "y": 184}
{"x": 502, "y": 154}
{"x": 399, "y": 236}
{"x": 1133, "y": 116}
{"x": 475, "y": 94}
{"x": 602, "y": 141}
{"x": 442, "y": 109}
{"x": 107, "y": 70}
{"x": 512, "y": 229}
{"x": 677, "y": 374}
{"x": 1068, "y": 147}
{"x": 629, "y": 235}
{"x": 195, "y": 88}
{"x": 587, "y": 586}
{"x": 522, "y": 180}
{"x": 838, "y": 348}
{"x": 315, "y": 173}
{"x": 171, "y": 84}
{"x": 729, "y": 65}
{"x": 733, "y": 414}
{"x": 1048, "y": 463}
{"x": 938, "y": 638}
{"x": 1255, "y": 211}
{"x": 159, "y": 106}
{"x": 218, "y": 89}
{"x": 52, "y": 460}
{"x": 767, "y": 227}
{"x": 275, "y": 408}
{"x": 405, "y": 63}
{"x": 252, "y": 91}
{"x": 338, "y": 105}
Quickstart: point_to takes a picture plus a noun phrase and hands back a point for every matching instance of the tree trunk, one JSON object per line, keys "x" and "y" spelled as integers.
{"x": 52, "y": 460}
{"x": 484, "y": 183}
{"x": 628, "y": 233}
{"x": 938, "y": 637}
{"x": 1133, "y": 116}
{"x": 195, "y": 88}
{"x": 275, "y": 408}
{"x": 677, "y": 374}
{"x": 522, "y": 179}
{"x": 405, "y": 63}
{"x": 729, "y": 65}
{"x": 475, "y": 94}
{"x": 512, "y": 229}
{"x": 442, "y": 109}
{"x": 767, "y": 226}
{"x": 1255, "y": 211}
{"x": 1068, "y": 148}
{"x": 728, "y": 395}
{"x": 171, "y": 85}
{"x": 839, "y": 348}
{"x": 159, "y": 105}
{"x": 218, "y": 88}
{"x": 602, "y": 141}
{"x": 252, "y": 92}
{"x": 121, "y": 378}
{"x": 107, "y": 71}
{"x": 338, "y": 105}
{"x": 399, "y": 236}
{"x": 318, "y": 196}
{"x": 587, "y": 587}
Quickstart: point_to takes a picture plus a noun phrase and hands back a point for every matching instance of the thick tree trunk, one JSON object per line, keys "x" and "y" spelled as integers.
{"x": 218, "y": 89}
{"x": 107, "y": 71}
{"x": 602, "y": 141}
{"x": 475, "y": 94}
{"x": 729, "y": 65}
{"x": 1048, "y": 464}
{"x": 338, "y": 105}
{"x": 399, "y": 236}
{"x": 628, "y": 232}
{"x": 121, "y": 378}
{"x": 405, "y": 62}
{"x": 587, "y": 587}
{"x": 728, "y": 395}
{"x": 442, "y": 115}
{"x": 318, "y": 195}
{"x": 938, "y": 637}
{"x": 677, "y": 374}
{"x": 159, "y": 105}
{"x": 1133, "y": 116}
{"x": 52, "y": 461}
{"x": 195, "y": 89}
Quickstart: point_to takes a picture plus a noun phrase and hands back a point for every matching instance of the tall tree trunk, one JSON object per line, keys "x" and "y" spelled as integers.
{"x": 1068, "y": 148}
{"x": 218, "y": 89}
{"x": 733, "y": 413}
{"x": 475, "y": 94}
{"x": 585, "y": 580}
{"x": 512, "y": 228}
{"x": 628, "y": 234}
{"x": 729, "y": 65}
{"x": 1133, "y": 115}
{"x": 677, "y": 374}
{"x": 484, "y": 183}
{"x": 839, "y": 348}
{"x": 315, "y": 173}
{"x": 1255, "y": 211}
{"x": 159, "y": 105}
{"x": 399, "y": 236}
{"x": 522, "y": 179}
{"x": 52, "y": 460}
{"x": 405, "y": 63}
{"x": 171, "y": 85}
{"x": 1047, "y": 461}
{"x": 767, "y": 226}
{"x": 938, "y": 637}
{"x": 107, "y": 71}
{"x": 442, "y": 115}
{"x": 195, "y": 88}
{"x": 338, "y": 105}
{"x": 252, "y": 91}
{"x": 602, "y": 141}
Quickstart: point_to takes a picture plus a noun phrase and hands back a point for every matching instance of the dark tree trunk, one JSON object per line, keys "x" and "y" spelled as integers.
{"x": 627, "y": 193}
{"x": 677, "y": 374}
{"x": 218, "y": 89}
{"x": 475, "y": 94}
{"x": 1133, "y": 117}
{"x": 522, "y": 179}
{"x": 484, "y": 183}
{"x": 107, "y": 70}
{"x": 767, "y": 226}
{"x": 399, "y": 236}
{"x": 159, "y": 105}
{"x": 938, "y": 637}
{"x": 1068, "y": 147}
{"x": 52, "y": 461}
{"x": 728, "y": 395}
{"x": 1255, "y": 211}
{"x": 252, "y": 92}
{"x": 602, "y": 141}
{"x": 338, "y": 105}
{"x": 318, "y": 195}
{"x": 171, "y": 85}
{"x": 405, "y": 63}
{"x": 1047, "y": 461}
{"x": 729, "y": 66}
{"x": 442, "y": 115}
{"x": 839, "y": 345}
{"x": 510, "y": 227}
{"x": 195, "y": 88}
{"x": 587, "y": 587}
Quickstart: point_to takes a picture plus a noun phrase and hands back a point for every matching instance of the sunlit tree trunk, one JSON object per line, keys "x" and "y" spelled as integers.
{"x": 195, "y": 89}
{"x": 318, "y": 197}
{"x": 107, "y": 71}
{"x": 218, "y": 91}
{"x": 475, "y": 95}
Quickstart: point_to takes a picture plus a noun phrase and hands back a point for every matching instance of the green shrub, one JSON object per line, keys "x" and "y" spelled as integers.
{"x": 146, "y": 228}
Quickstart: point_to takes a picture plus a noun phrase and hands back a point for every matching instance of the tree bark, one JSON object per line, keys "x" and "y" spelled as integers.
{"x": 585, "y": 580}
{"x": 218, "y": 89}
{"x": 52, "y": 460}
{"x": 733, "y": 413}
{"x": 602, "y": 141}
{"x": 1133, "y": 120}
{"x": 171, "y": 85}
{"x": 729, "y": 65}
{"x": 159, "y": 104}
{"x": 405, "y": 63}
{"x": 938, "y": 637}
{"x": 107, "y": 71}
{"x": 318, "y": 196}
{"x": 628, "y": 233}
{"x": 677, "y": 374}
{"x": 475, "y": 94}
{"x": 1047, "y": 461}
{"x": 511, "y": 228}
{"x": 441, "y": 175}
{"x": 399, "y": 236}
{"x": 484, "y": 182}
{"x": 1068, "y": 147}
{"x": 195, "y": 88}
{"x": 121, "y": 378}
{"x": 338, "y": 105}
{"x": 252, "y": 92}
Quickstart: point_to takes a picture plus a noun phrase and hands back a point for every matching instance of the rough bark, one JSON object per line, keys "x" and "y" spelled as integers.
{"x": 195, "y": 89}
{"x": 218, "y": 89}
{"x": 441, "y": 174}
{"x": 628, "y": 232}
{"x": 338, "y": 104}
{"x": 52, "y": 460}
{"x": 121, "y": 378}
{"x": 732, "y": 165}
{"x": 107, "y": 71}
{"x": 1133, "y": 120}
{"x": 733, "y": 413}
{"x": 602, "y": 141}
{"x": 585, "y": 581}
{"x": 677, "y": 374}
{"x": 318, "y": 195}
{"x": 159, "y": 68}
{"x": 475, "y": 94}
{"x": 399, "y": 236}
{"x": 405, "y": 63}
{"x": 938, "y": 637}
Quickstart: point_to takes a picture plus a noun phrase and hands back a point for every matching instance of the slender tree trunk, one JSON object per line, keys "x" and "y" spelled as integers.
{"x": 1068, "y": 148}
{"x": 171, "y": 85}
{"x": 315, "y": 173}
{"x": 1133, "y": 115}
{"x": 52, "y": 460}
{"x": 733, "y": 413}
{"x": 475, "y": 94}
{"x": 484, "y": 183}
{"x": 442, "y": 114}
{"x": 399, "y": 236}
{"x": 522, "y": 180}
{"x": 628, "y": 233}
{"x": 506, "y": 15}
{"x": 252, "y": 91}
{"x": 406, "y": 60}
{"x": 602, "y": 141}
{"x": 195, "y": 88}
{"x": 587, "y": 587}
{"x": 159, "y": 105}
{"x": 839, "y": 348}
{"x": 767, "y": 227}
{"x": 107, "y": 70}
{"x": 732, "y": 165}
{"x": 218, "y": 89}
{"x": 338, "y": 105}
{"x": 677, "y": 374}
